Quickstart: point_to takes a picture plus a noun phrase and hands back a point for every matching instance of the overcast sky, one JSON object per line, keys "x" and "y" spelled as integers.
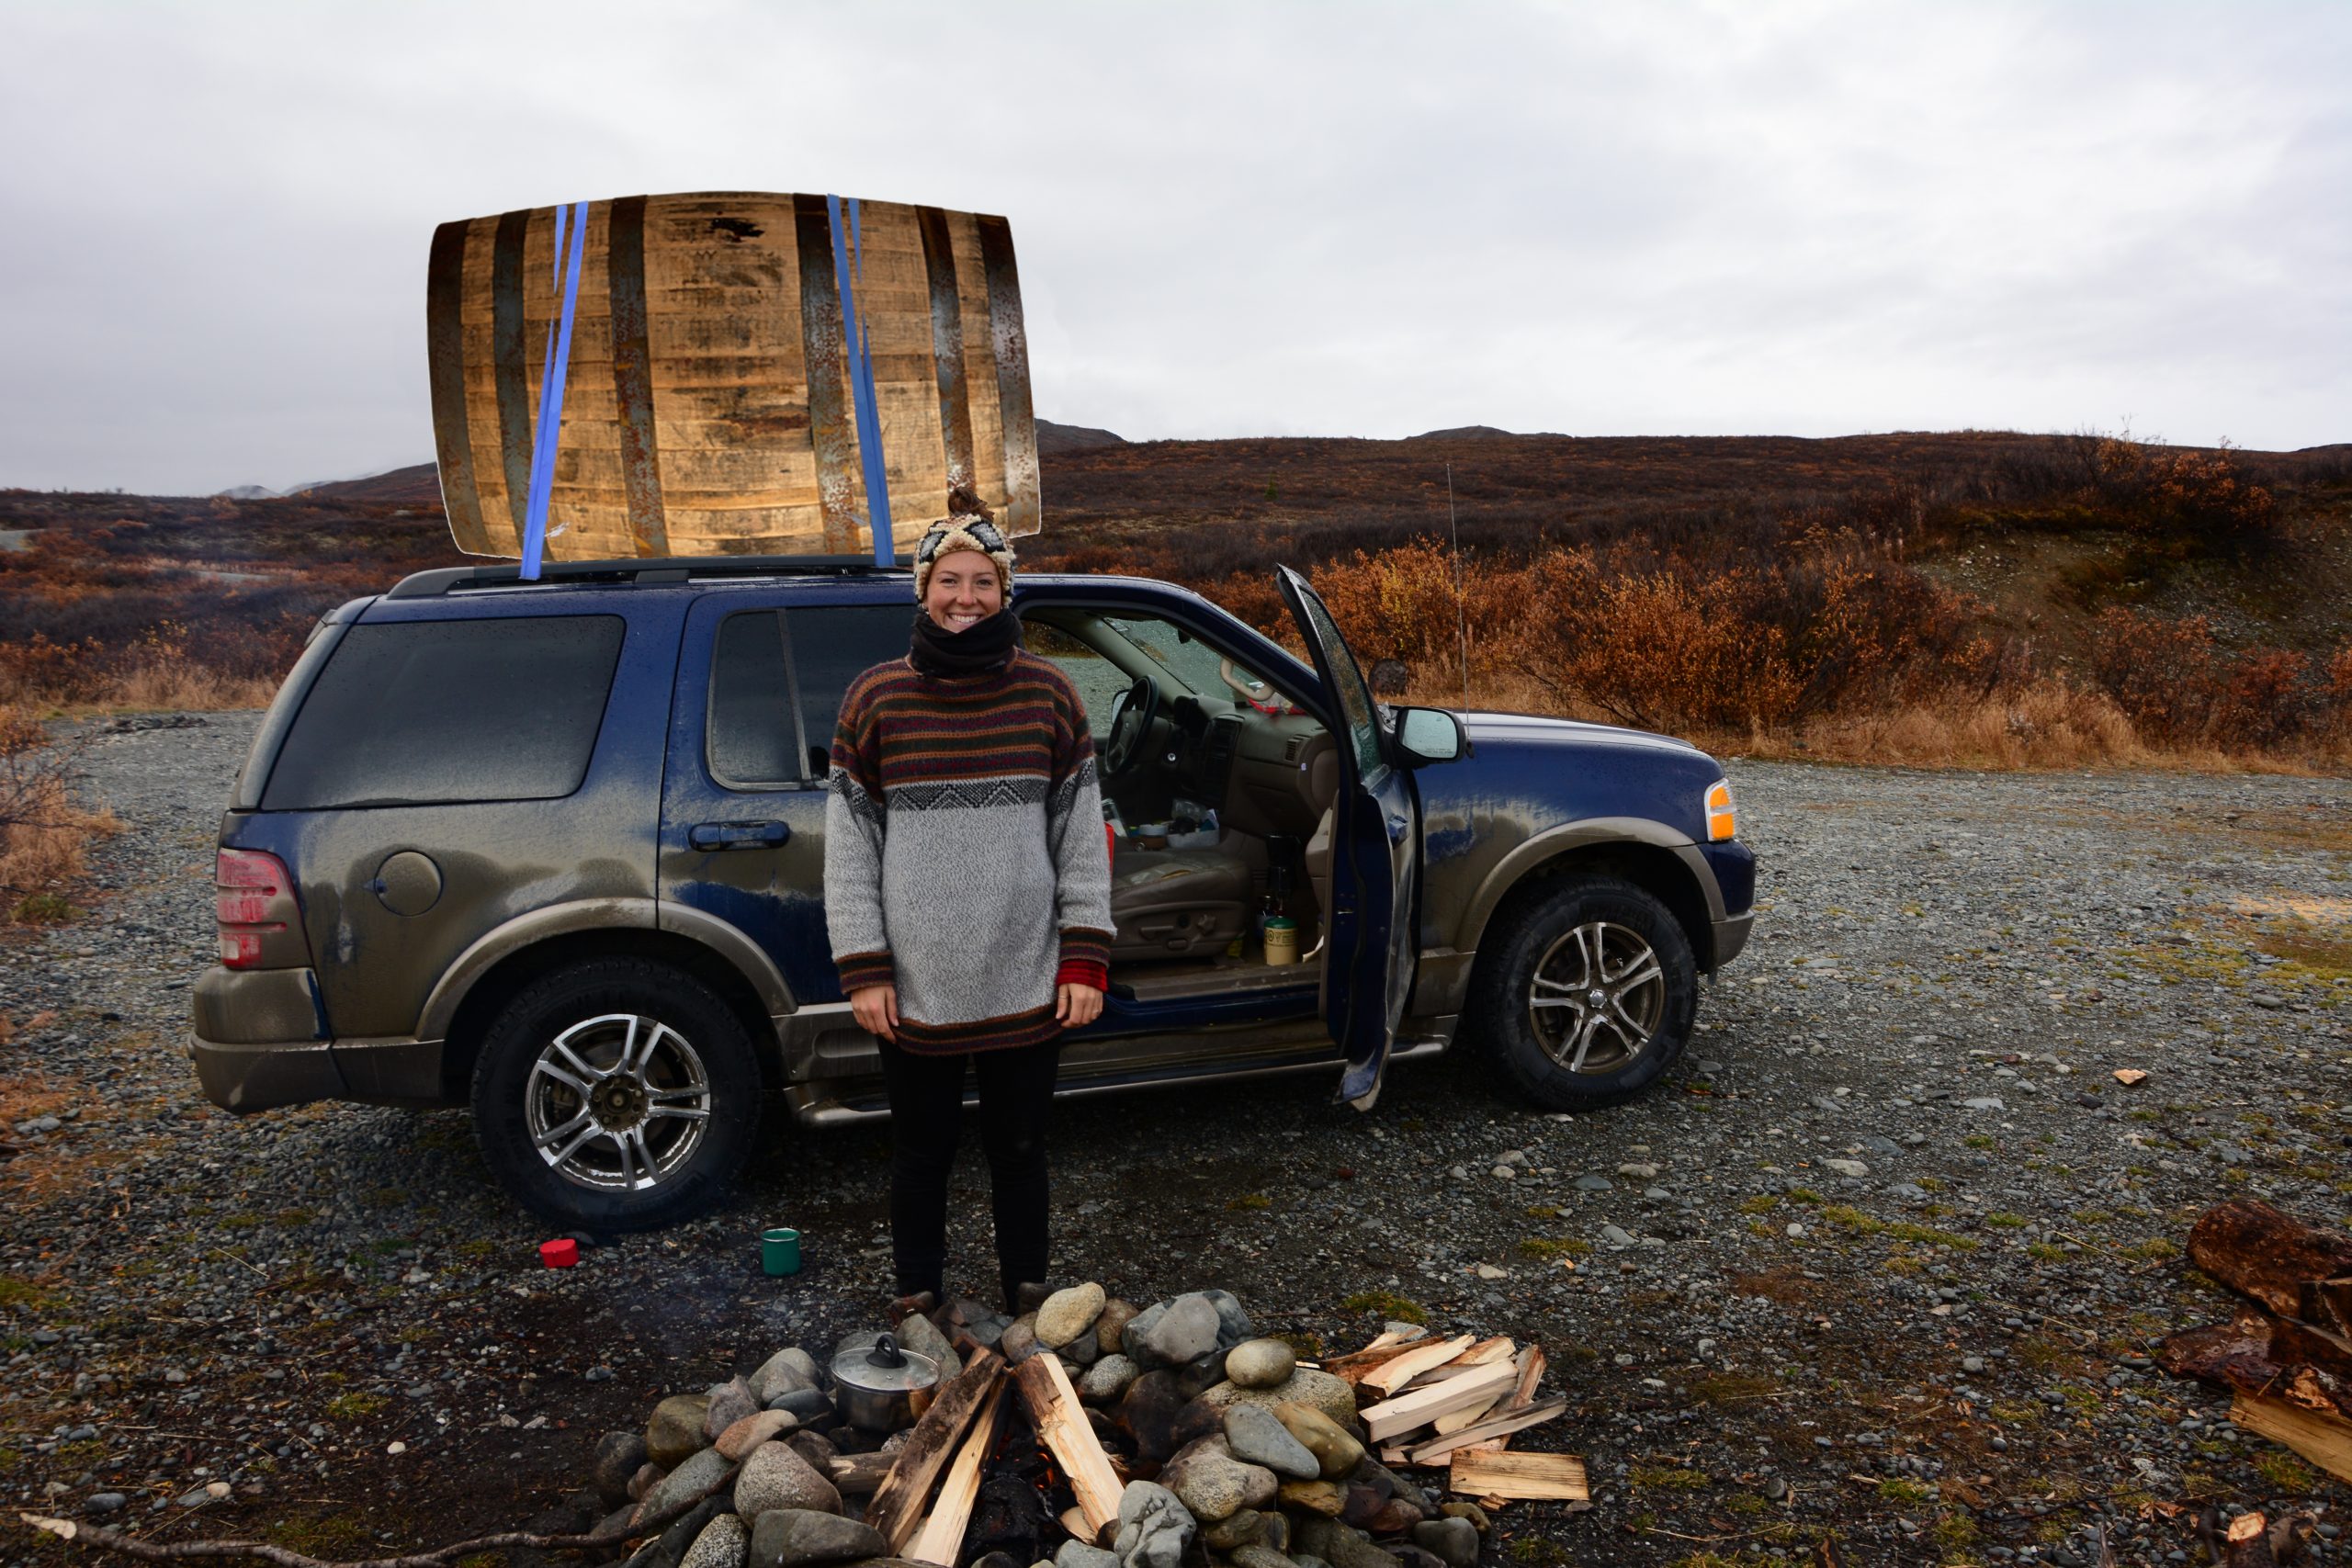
{"x": 1304, "y": 218}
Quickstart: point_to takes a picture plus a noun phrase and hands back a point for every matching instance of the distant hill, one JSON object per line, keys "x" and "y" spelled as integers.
{"x": 1059, "y": 440}
{"x": 417, "y": 485}
{"x": 1460, "y": 432}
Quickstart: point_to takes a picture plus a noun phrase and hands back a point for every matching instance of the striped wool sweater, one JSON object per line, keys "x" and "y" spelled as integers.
{"x": 965, "y": 859}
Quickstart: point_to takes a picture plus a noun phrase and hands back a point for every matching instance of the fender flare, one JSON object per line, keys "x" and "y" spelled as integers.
{"x": 1549, "y": 845}
{"x": 503, "y": 942}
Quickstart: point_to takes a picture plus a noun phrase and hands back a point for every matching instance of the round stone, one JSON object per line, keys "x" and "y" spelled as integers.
{"x": 1260, "y": 1363}
{"x": 1069, "y": 1313}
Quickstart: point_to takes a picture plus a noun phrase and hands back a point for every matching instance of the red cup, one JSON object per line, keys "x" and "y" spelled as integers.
{"x": 561, "y": 1253}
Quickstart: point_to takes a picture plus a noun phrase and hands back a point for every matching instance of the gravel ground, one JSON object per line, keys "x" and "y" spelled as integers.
{"x": 1883, "y": 1260}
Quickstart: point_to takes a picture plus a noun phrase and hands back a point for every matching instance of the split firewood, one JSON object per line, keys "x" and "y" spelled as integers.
{"x": 1393, "y": 1375}
{"x": 940, "y": 1538}
{"x": 857, "y": 1475}
{"x": 2321, "y": 1439}
{"x": 1062, "y": 1427}
{"x": 897, "y": 1505}
{"x": 1530, "y": 1363}
{"x": 2295, "y": 1270}
{"x": 1476, "y": 1389}
{"x": 1387, "y": 1343}
{"x": 1468, "y": 1415}
{"x": 1438, "y": 1450}
{"x": 1530, "y": 1477}
{"x": 2257, "y": 1354}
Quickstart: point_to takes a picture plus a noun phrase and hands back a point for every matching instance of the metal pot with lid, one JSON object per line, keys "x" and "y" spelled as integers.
{"x": 879, "y": 1387}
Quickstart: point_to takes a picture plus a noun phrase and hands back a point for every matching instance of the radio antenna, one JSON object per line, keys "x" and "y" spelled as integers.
{"x": 1461, "y": 602}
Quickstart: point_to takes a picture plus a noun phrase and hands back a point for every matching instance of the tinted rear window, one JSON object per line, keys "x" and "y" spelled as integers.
{"x": 833, "y": 646}
{"x": 421, "y": 712}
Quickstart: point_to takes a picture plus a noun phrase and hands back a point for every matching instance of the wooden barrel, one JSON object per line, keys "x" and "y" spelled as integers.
{"x": 708, "y": 408}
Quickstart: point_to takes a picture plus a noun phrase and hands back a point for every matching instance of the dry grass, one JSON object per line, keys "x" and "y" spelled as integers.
{"x": 43, "y": 833}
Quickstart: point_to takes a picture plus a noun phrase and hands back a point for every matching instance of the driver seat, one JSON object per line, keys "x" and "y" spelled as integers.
{"x": 1177, "y": 903}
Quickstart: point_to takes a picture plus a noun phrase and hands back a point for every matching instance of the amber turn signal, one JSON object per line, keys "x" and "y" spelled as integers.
{"x": 1723, "y": 821}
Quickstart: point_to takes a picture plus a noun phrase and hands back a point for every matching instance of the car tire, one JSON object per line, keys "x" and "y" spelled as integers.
{"x": 617, "y": 1094}
{"x": 1534, "y": 997}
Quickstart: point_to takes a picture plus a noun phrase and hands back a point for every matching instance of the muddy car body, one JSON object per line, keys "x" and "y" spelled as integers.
{"x": 554, "y": 850}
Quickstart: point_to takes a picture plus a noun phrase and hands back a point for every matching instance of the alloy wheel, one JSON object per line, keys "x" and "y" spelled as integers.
{"x": 618, "y": 1102}
{"x": 1597, "y": 997}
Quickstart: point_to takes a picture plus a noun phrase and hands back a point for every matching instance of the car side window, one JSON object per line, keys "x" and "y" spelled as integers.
{"x": 832, "y": 646}
{"x": 1099, "y": 682}
{"x": 751, "y": 734}
{"x": 776, "y": 679}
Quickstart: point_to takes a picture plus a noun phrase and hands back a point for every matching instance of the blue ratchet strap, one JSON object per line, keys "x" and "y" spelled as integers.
{"x": 861, "y": 378}
{"x": 549, "y": 432}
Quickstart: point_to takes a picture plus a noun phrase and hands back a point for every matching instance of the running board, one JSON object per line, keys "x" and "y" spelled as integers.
{"x": 813, "y": 1106}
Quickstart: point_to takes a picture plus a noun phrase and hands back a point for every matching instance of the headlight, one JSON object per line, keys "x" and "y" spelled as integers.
{"x": 1723, "y": 818}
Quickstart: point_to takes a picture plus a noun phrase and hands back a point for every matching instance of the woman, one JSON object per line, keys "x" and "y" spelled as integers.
{"x": 967, "y": 892}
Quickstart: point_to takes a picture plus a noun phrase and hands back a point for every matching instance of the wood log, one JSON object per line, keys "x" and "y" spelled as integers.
{"x": 1528, "y": 1477}
{"x": 2323, "y": 1439}
{"x": 2257, "y": 1354}
{"x": 940, "y": 1538}
{"x": 1062, "y": 1426}
{"x": 1501, "y": 1347}
{"x": 1530, "y": 1363}
{"x": 1438, "y": 1450}
{"x": 2297, "y": 1270}
{"x": 1386, "y": 1340}
{"x": 857, "y": 1475}
{"x": 898, "y": 1504}
{"x": 1393, "y": 1375}
{"x": 1468, "y": 1415}
{"x": 1406, "y": 1411}
{"x": 2246, "y": 1542}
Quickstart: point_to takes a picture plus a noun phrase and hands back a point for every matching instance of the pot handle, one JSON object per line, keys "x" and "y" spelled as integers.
{"x": 886, "y": 1353}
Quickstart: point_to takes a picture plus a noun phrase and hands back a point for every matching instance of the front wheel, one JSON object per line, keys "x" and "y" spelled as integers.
{"x": 1588, "y": 995}
{"x": 617, "y": 1094}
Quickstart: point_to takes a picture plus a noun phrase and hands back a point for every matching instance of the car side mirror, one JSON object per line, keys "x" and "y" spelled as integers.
{"x": 1429, "y": 735}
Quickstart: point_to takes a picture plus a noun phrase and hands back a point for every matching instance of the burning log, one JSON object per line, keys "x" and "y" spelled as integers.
{"x": 1063, "y": 1427}
{"x": 2295, "y": 1270}
{"x": 940, "y": 1538}
{"x": 898, "y": 1504}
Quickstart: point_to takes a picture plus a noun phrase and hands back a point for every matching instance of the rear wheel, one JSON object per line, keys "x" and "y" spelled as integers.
{"x": 617, "y": 1094}
{"x": 1588, "y": 995}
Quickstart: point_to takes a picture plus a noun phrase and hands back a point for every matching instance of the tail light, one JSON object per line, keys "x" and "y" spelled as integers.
{"x": 252, "y": 898}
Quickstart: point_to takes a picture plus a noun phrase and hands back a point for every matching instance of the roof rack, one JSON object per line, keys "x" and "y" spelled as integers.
{"x": 444, "y": 580}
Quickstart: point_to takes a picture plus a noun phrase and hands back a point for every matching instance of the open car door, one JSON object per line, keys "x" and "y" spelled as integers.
{"x": 1375, "y": 855}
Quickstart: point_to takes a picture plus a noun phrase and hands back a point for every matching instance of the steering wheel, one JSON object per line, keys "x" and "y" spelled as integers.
{"x": 1131, "y": 719}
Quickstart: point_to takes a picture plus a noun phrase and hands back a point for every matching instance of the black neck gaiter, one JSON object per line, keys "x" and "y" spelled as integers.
{"x": 981, "y": 648}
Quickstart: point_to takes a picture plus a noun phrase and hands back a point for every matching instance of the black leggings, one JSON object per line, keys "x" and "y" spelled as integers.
{"x": 926, "y": 1116}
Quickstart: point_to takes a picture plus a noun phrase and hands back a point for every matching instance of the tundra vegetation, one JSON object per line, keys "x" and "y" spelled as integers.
{"x": 1978, "y": 599}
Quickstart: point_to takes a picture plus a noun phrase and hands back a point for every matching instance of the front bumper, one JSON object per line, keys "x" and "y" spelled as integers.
{"x": 1730, "y": 936}
{"x": 262, "y": 1042}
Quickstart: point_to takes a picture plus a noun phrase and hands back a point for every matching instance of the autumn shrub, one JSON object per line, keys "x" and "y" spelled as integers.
{"x": 2164, "y": 674}
{"x": 2187, "y": 494}
{"x": 2178, "y": 686}
{"x": 44, "y": 834}
{"x": 1421, "y": 602}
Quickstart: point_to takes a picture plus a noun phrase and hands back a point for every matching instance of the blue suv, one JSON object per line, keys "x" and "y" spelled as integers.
{"x": 555, "y": 849}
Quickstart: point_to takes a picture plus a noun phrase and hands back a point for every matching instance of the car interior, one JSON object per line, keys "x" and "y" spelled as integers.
{"x": 1220, "y": 790}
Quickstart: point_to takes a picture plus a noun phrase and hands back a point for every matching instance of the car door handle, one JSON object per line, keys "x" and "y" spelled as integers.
{"x": 738, "y": 835}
